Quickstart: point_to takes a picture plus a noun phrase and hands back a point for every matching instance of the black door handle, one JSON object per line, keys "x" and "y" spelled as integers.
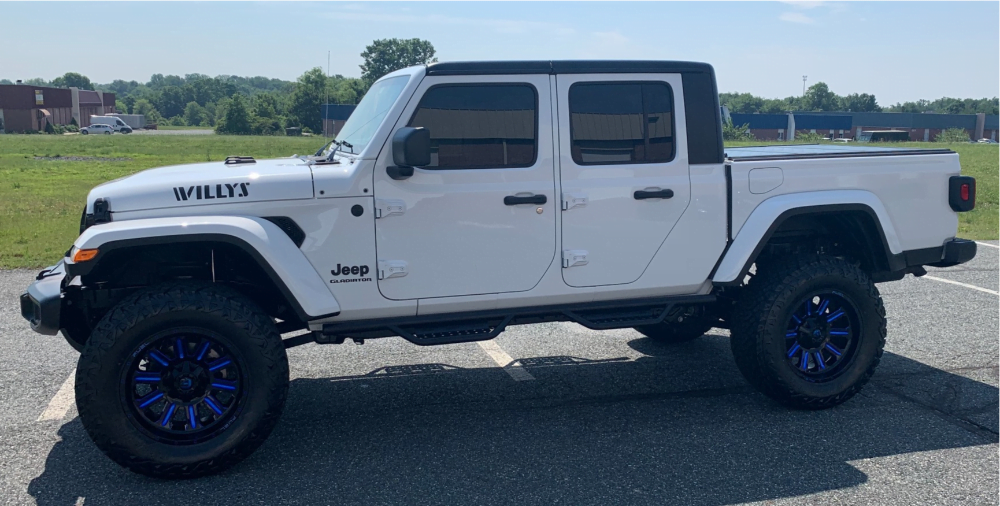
{"x": 655, "y": 194}
{"x": 512, "y": 200}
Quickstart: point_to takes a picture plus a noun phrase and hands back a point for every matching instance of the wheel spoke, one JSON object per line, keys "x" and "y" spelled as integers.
{"x": 204, "y": 349}
{"x": 147, "y": 377}
{"x": 159, "y": 357}
{"x": 805, "y": 360}
{"x": 808, "y": 307}
{"x": 224, "y": 385}
{"x": 213, "y": 404}
{"x": 149, "y": 399}
{"x": 822, "y": 306}
{"x": 819, "y": 360}
{"x": 833, "y": 349}
{"x": 219, "y": 364}
{"x": 791, "y": 333}
{"x": 834, "y": 316}
{"x": 179, "y": 348}
{"x": 191, "y": 417}
{"x": 168, "y": 414}
{"x": 840, "y": 333}
{"x": 793, "y": 350}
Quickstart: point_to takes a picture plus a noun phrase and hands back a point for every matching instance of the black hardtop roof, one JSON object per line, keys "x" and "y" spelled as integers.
{"x": 468, "y": 68}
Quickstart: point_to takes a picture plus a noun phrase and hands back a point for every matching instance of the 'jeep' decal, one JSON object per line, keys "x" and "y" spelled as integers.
{"x": 350, "y": 270}
{"x": 207, "y": 191}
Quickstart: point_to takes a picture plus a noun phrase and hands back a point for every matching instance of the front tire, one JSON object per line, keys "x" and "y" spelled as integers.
{"x": 182, "y": 380}
{"x": 810, "y": 332}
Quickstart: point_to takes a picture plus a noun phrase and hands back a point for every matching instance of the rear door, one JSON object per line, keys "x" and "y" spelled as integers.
{"x": 480, "y": 219}
{"x": 624, "y": 172}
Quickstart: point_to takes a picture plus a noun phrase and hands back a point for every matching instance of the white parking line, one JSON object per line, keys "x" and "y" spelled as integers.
{"x": 988, "y": 244}
{"x": 505, "y": 361}
{"x": 62, "y": 401}
{"x": 974, "y": 287}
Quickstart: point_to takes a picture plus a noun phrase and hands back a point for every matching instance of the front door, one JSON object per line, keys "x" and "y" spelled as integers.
{"x": 624, "y": 172}
{"x": 480, "y": 219}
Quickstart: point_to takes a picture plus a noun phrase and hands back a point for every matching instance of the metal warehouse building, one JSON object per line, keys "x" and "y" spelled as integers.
{"x": 334, "y": 117}
{"x": 24, "y": 107}
{"x": 920, "y": 127}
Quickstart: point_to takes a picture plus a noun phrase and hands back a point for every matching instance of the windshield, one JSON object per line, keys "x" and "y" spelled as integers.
{"x": 367, "y": 117}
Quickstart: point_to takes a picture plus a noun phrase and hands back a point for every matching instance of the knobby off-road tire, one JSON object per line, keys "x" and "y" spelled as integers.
{"x": 783, "y": 314}
{"x": 691, "y": 328}
{"x": 179, "y": 341}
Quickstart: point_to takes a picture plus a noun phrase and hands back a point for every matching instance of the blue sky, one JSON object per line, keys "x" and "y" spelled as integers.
{"x": 896, "y": 50}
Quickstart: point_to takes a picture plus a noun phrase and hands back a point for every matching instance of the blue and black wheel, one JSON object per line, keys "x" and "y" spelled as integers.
{"x": 182, "y": 380}
{"x": 809, "y": 332}
{"x": 184, "y": 385}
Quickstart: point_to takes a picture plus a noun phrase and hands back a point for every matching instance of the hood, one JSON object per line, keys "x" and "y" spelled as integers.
{"x": 209, "y": 183}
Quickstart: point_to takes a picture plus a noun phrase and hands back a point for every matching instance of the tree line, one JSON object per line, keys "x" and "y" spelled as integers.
{"x": 819, "y": 97}
{"x": 262, "y": 105}
{"x": 251, "y": 105}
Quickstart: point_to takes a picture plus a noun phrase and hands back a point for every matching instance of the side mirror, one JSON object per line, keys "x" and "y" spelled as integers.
{"x": 411, "y": 147}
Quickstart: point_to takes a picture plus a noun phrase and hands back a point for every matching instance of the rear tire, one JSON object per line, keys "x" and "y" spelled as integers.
{"x": 809, "y": 332}
{"x": 182, "y": 380}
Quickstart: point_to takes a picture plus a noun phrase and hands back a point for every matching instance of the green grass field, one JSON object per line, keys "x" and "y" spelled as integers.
{"x": 184, "y": 127}
{"x": 41, "y": 199}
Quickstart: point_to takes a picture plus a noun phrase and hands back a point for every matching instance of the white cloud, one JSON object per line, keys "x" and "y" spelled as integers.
{"x": 796, "y": 17}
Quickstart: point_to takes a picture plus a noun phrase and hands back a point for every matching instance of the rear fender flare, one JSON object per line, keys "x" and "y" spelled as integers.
{"x": 768, "y": 216}
{"x": 271, "y": 247}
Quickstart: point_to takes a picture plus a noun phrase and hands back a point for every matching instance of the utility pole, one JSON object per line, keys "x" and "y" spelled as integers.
{"x": 326, "y": 94}
{"x": 804, "y": 85}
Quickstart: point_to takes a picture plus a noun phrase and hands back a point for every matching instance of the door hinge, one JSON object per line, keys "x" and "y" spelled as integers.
{"x": 391, "y": 269}
{"x": 385, "y": 207}
{"x": 574, "y": 257}
{"x": 571, "y": 200}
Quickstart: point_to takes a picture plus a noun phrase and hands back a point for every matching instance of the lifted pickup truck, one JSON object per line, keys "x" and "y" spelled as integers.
{"x": 462, "y": 198}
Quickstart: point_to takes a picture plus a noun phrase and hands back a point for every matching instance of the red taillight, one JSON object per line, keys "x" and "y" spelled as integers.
{"x": 964, "y": 192}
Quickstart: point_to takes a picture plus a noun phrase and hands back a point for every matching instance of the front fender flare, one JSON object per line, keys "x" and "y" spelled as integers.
{"x": 273, "y": 250}
{"x": 767, "y": 216}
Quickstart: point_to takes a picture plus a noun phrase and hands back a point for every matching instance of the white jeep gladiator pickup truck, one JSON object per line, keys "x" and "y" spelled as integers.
{"x": 462, "y": 198}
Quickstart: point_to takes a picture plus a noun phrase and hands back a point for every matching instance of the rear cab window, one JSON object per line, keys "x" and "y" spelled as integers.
{"x": 614, "y": 123}
{"x": 480, "y": 126}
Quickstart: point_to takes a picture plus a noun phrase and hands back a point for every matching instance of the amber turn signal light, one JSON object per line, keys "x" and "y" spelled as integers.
{"x": 83, "y": 255}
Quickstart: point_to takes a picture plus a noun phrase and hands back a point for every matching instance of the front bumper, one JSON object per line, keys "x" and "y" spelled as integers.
{"x": 41, "y": 303}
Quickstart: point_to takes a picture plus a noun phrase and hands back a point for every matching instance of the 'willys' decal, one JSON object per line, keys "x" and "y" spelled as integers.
{"x": 207, "y": 191}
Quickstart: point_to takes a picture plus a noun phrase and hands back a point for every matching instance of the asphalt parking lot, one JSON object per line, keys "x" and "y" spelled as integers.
{"x": 579, "y": 417}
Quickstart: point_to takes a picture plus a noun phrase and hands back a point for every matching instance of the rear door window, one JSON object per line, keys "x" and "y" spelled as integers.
{"x": 479, "y": 126}
{"x": 621, "y": 122}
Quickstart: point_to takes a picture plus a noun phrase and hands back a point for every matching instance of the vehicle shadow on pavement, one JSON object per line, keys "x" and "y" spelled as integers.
{"x": 676, "y": 426}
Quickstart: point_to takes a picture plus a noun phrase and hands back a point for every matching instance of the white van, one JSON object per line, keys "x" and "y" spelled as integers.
{"x": 114, "y": 122}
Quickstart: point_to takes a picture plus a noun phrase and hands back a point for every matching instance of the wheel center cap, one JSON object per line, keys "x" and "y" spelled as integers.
{"x": 811, "y": 334}
{"x": 187, "y": 381}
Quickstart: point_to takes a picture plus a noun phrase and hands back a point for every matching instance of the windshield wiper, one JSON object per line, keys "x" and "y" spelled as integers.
{"x": 320, "y": 151}
{"x": 339, "y": 144}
